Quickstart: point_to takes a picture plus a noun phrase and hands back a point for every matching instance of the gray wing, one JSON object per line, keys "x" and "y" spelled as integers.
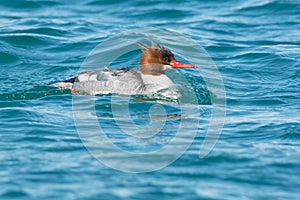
{"x": 125, "y": 81}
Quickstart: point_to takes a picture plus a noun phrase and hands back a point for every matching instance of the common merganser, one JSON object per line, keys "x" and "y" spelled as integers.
{"x": 150, "y": 78}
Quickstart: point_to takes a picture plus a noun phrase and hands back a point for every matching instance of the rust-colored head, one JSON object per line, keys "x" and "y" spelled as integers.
{"x": 156, "y": 59}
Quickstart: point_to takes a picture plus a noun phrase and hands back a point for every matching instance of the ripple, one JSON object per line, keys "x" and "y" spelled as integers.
{"x": 42, "y": 31}
{"x": 270, "y": 6}
{"x": 28, "y": 4}
{"x": 8, "y": 58}
{"x": 27, "y": 39}
{"x": 14, "y": 194}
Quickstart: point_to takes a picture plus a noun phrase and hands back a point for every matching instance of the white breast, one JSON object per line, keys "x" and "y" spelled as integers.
{"x": 156, "y": 83}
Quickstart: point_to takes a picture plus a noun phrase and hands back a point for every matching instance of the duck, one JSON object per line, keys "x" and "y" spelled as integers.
{"x": 147, "y": 79}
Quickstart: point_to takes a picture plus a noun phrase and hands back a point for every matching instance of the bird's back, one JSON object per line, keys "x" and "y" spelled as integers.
{"x": 126, "y": 81}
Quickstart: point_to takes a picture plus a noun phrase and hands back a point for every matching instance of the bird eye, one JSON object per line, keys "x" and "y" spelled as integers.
{"x": 167, "y": 59}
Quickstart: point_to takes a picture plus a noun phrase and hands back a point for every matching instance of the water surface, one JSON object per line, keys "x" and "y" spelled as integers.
{"x": 255, "y": 45}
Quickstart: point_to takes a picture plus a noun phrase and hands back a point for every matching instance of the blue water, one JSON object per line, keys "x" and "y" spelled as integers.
{"x": 256, "y": 47}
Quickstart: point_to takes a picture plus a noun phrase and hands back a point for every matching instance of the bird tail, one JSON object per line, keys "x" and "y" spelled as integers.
{"x": 67, "y": 84}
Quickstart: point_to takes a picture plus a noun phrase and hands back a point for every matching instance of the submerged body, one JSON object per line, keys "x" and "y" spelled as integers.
{"x": 150, "y": 78}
